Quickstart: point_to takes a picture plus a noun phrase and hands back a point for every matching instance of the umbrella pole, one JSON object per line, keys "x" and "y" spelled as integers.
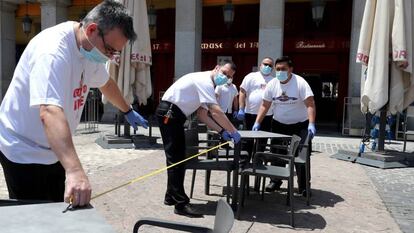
{"x": 383, "y": 114}
{"x": 381, "y": 136}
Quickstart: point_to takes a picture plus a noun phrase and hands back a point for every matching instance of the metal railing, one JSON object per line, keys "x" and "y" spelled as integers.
{"x": 90, "y": 117}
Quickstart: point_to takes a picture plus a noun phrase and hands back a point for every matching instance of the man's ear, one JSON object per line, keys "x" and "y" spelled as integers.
{"x": 92, "y": 27}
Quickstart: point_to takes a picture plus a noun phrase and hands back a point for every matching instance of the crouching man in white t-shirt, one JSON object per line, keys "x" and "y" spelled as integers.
{"x": 44, "y": 102}
{"x": 190, "y": 93}
{"x": 293, "y": 111}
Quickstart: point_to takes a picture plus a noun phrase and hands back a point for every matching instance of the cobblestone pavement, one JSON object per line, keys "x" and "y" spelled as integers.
{"x": 345, "y": 199}
{"x": 395, "y": 186}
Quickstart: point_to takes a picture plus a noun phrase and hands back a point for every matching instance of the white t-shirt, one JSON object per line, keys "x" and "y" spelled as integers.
{"x": 288, "y": 99}
{"x": 225, "y": 96}
{"x": 254, "y": 84}
{"x": 51, "y": 71}
{"x": 192, "y": 91}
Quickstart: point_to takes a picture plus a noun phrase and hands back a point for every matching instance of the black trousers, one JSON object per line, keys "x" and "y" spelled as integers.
{"x": 233, "y": 120}
{"x": 265, "y": 126}
{"x": 300, "y": 129}
{"x": 34, "y": 181}
{"x": 173, "y": 138}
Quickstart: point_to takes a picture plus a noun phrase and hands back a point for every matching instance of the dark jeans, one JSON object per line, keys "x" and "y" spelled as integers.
{"x": 173, "y": 138}
{"x": 34, "y": 181}
{"x": 264, "y": 126}
{"x": 300, "y": 129}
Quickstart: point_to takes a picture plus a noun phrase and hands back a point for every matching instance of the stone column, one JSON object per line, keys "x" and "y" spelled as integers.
{"x": 53, "y": 12}
{"x": 354, "y": 81}
{"x": 272, "y": 14}
{"x": 355, "y": 120}
{"x": 7, "y": 44}
{"x": 188, "y": 23}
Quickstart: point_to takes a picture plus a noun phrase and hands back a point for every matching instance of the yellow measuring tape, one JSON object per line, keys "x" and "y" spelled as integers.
{"x": 158, "y": 171}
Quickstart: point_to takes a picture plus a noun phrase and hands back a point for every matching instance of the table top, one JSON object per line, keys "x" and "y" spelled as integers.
{"x": 48, "y": 217}
{"x": 261, "y": 134}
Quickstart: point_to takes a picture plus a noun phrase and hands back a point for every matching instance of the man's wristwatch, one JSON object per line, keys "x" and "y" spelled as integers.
{"x": 130, "y": 110}
{"x": 222, "y": 131}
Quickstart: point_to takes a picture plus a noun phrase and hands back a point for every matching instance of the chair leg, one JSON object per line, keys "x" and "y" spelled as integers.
{"x": 241, "y": 197}
{"x": 405, "y": 142}
{"x": 245, "y": 180}
{"x": 308, "y": 192}
{"x": 257, "y": 184}
{"x": 263, "y": 187}
{"x": 248, "y": 185}
{"x": 290, "y": 183}
{"x": 192, "y": 183}
{"x": 207, "y": 183}
{"x": 228, "y": 191}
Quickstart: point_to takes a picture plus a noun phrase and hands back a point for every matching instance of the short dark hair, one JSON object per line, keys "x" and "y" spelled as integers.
{"x": 284, "y": 59}
{"x": 111, "y": 14}
{"x": 232, "y": 65}
{"x": 270, "y": 58}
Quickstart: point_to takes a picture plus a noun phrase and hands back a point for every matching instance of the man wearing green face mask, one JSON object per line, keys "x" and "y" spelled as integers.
{"x": 44, "y": 103}
{"x": 293, "y": 111}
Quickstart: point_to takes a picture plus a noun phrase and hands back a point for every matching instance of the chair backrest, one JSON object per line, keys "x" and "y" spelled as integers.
{"x": 409, "y": 114}
{"x": 191, "y": 141}
{"x": 303, "y": 150}
{"x": 224, "y": 219}
{"x": 294, "y": 143}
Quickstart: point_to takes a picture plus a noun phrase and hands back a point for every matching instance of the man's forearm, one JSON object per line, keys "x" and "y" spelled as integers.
{"x": 311, "y": 109}
{"x": 203, "y": 117}
{"x": 59, "y": 137}
{"x": 264, "y": 108}
{"x": 113, "y": 94}
{"x": 311, "y": 114}
{"x": 242, "y": 99}
{"x": 221, "y": 118}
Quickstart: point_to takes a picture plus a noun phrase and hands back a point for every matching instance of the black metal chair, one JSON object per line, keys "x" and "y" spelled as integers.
{"x": 258, "y": 168}
{"x": 223, "y": 222}
{"x": 210, "y": 163}
{"x": 408, "y": 117}
{"x": 303, "y": 159}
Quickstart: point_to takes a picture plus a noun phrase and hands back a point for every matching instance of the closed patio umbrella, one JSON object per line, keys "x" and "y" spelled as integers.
{"x": 131, "y": 70}
{"x": 385, "y": 51}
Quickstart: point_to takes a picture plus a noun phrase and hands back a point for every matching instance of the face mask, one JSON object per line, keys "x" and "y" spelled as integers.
{"x": 94, "y": 55}
{"x": 229, "y": 81}
{"x": 220, "y": 79}
{"x": 282, "y": 75}
{"x": 266, "y": 70}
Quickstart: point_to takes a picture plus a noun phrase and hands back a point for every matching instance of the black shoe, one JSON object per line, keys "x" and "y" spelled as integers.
{"x": 187, "y": 211}
{"x": 273, "y": 186}
{"x": 304, "y": 193}
{"x": 169, "y": 202}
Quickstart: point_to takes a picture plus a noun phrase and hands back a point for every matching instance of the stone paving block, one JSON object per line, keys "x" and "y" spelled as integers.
{"x": 344, "y": 198}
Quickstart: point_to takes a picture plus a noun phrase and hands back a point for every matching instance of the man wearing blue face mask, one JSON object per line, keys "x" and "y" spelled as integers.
{"x": 251, "y": 95}
{"x": 190, "y": 93}
{"x": 227, "y": 98}
{"x": 44, "y": 103}
{"x": 293, "y": 111}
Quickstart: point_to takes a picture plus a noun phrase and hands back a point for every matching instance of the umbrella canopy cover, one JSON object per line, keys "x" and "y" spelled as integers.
{"x": 384, "y": 40}
{"x": 131, "y": 70}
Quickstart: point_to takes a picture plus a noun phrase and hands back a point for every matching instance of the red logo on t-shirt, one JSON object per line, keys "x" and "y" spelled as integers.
{"x": 79, "y": 99}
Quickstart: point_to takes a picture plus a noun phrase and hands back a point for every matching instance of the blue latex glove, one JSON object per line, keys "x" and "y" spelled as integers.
{"x": 240, "y": 114}
{"x": 311, "y": 129}
{"x": 234, "y": 114}
{"x": 226, "y": 135}
{"x": 134, "y": 119}
{"x": 256, "y": 127}
{"x": 235, "y": 136}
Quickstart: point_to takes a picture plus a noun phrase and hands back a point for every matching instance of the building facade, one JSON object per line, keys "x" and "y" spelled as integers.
{"x": 192, "y": 35}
